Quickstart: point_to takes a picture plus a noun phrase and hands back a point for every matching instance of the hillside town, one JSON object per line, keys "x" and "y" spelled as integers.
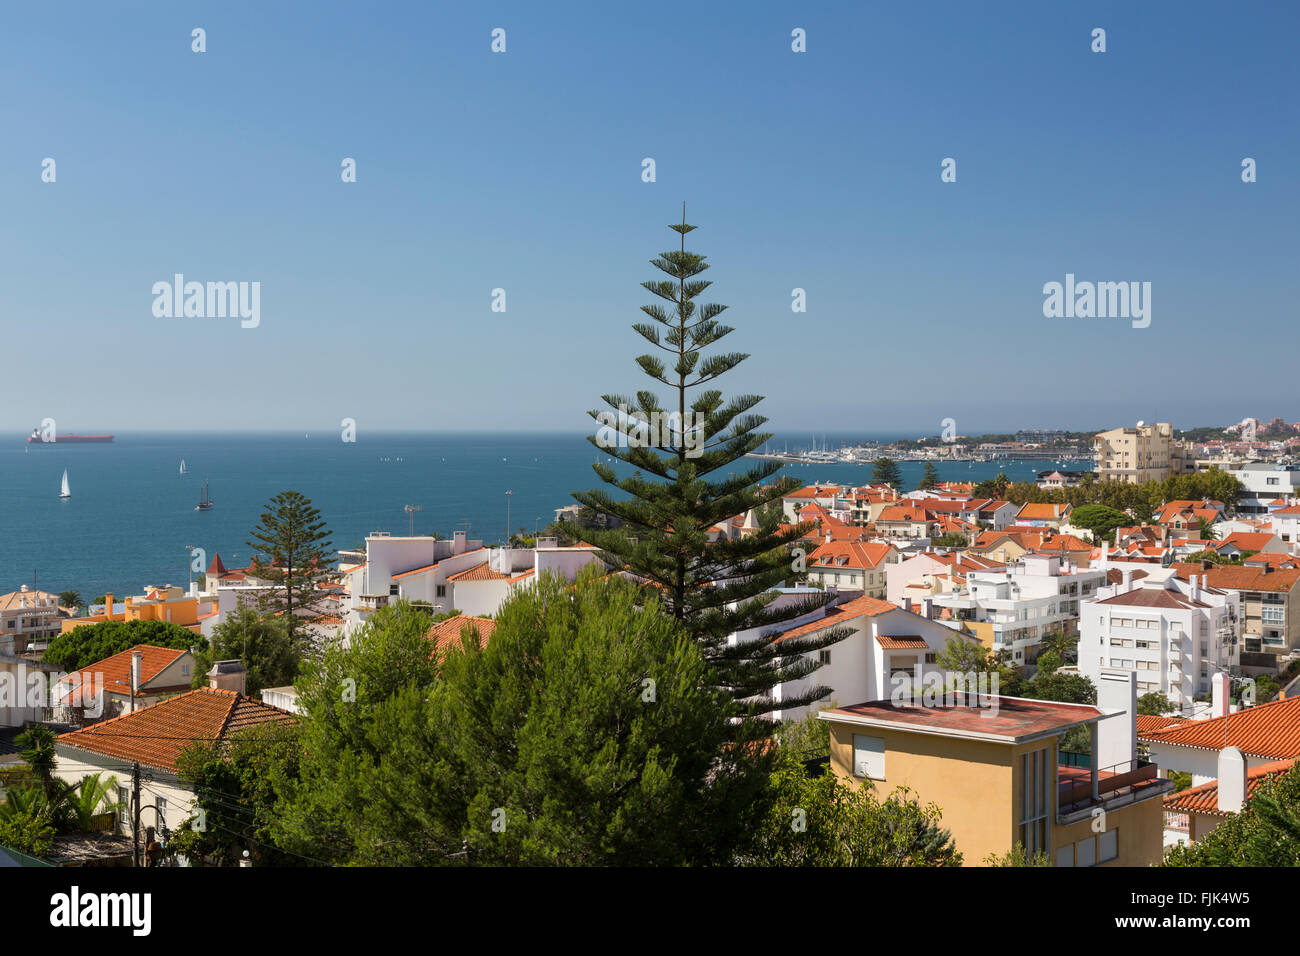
{"x": 972, "y": 645}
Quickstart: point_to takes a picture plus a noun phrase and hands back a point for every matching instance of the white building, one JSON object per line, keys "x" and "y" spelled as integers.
{"x": 1175, "y": 635}
{"x": 1264, "y": 482}
{"x": 1019, "y": 605}
{"x": 885, "y": 640}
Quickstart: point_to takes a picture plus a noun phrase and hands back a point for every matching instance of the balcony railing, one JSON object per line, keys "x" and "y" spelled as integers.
{"x": 1120, "y": 783}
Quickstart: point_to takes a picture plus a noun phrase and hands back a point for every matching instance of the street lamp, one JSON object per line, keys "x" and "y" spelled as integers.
{"x": 508, "y": 494}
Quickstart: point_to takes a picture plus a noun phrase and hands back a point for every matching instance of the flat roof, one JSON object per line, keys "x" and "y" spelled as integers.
{"x": 1002, "y": 719}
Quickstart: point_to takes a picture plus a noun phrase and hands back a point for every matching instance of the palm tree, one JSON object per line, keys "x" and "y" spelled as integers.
{"x": 91, "y": 797}
{"x": 1206, "y": 531}
{"x": 70, "y": 599}
{"x": 1061, "y": 643}
{"x": 38, "y": 750}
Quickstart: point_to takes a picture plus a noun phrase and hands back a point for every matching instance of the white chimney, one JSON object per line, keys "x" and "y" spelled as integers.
{"x": 458, "y": 542}
{"x": 137, "y": 667}
{"x": 1128, "y": 581}
{"x": 1232, "y": 780}
{"x": 1220, "y": 694}
{"x": 1116, "y": 736}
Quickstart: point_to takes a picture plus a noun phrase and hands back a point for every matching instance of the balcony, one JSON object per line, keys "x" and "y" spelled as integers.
{"x": 1116, "y": 786}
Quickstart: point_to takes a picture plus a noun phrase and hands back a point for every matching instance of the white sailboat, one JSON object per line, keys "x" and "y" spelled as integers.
{"x": 184, "y": 468}
{"x": 65, "y": 493}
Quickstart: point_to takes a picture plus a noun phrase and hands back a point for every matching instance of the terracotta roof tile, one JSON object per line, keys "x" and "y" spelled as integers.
{"x": 1205, "y": 798}
{"x": 1265, "y": 730}
{"x": 446, "y": 634}
{"x": 156, "y": 734}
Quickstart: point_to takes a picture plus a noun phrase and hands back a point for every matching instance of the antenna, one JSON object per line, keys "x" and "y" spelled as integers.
{"x": 410, "y": 513}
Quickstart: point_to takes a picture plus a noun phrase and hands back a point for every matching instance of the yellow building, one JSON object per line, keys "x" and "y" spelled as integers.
{"x": 1142, "y": 453}
{"x": 166, "y": 603}
{"x": 992, "y": 766}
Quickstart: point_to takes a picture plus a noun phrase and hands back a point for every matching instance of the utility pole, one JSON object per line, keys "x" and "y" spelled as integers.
{"x": 135, "y": 811}
{"x": 410, "y": 513}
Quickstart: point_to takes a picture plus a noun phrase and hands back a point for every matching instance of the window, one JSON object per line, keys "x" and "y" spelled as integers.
{"x": 1107, "y": 845}
{"x": 1035, "y": 800}
{"x": 1086, "y": 852}
{"x": 1065, "y": 855}
{"x": 162, "y": 811}
{"x": 124, "y": 813}
{"x": 869, "y": 757}
{"x": 442, "y": 590}
{"x": 824, "y": 656}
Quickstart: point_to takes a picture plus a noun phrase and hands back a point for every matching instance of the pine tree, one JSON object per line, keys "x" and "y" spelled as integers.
{"x": 929, "y": 477}
{"x": 682, "y": 487}
{"x": 885, "y": 471}
{"x": 294, "y": 538}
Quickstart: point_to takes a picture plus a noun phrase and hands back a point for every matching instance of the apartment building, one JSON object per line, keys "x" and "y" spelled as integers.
{"x": 29, "y": 620}
{"x": 1138, "y": 454}
{"x": 1264, "y": 482}
{"x": 993, "y": 768}
{"x": 1013, "y": 608}
{"x": 1270, "y": 601}
{"x": 1173, "y": 635}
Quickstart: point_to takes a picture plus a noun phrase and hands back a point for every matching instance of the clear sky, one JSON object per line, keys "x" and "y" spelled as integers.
{"x": 522, "y": 171}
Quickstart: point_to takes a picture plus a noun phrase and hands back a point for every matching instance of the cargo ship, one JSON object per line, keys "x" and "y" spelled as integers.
{"x": 36, "y": 437}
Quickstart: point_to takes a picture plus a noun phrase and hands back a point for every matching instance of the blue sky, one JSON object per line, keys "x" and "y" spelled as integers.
{"x": 523, "y": 171}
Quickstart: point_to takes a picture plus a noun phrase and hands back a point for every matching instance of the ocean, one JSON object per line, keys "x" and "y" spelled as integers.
{"x": 131, "y": 515}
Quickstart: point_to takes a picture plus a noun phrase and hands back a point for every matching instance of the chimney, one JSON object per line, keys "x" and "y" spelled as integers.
{"x": 1116, "y": 736}
{"x": 927, "y": 609}
{"x": 137, "y": 668}
{"x": 228, "y": 675}
{"x": 907, "y": 605}
{"x": 458, "y": 542}
{"x": 1195, "y": 582}
{"x": 108, "y": 606}
{"x": 1232, "y": 780}
{"x": 1220, "y": 694}
{"x": 1128, "y": 580}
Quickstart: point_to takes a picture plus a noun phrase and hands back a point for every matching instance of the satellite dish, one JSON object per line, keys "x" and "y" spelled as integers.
{"x": 1140, "y": 424}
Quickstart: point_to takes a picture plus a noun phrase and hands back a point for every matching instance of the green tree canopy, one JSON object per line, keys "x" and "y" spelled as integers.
{"x": 89, "y": 643}
{"x": 261, "y": 643}
{"x": 885, "y": 471}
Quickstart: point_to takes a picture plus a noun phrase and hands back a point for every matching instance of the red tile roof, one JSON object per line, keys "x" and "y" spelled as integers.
{"x": 156, "y": 734}
{"x": 858, "y": 555}
{"x": 1149, "y": 722}
{"x": 446, "y": 634}
{"x": 115, "y": 671}
{"x": 840, "y": 615}
{"x": 1265, "y": 730}
{"x": 1205, "y": 798}
{"x": 216, "y": 567}
{"x": 480, "y": 572}
{"x": 902, "y": 642}
{"x": 1240, "y": 578}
